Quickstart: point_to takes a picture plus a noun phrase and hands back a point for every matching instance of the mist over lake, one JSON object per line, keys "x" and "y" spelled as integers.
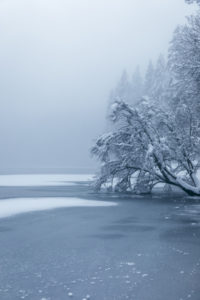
{"x": 99, "y": 153}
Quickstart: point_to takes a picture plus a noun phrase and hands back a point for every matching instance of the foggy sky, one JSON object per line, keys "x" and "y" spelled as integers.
{"x": 59, "y": 60}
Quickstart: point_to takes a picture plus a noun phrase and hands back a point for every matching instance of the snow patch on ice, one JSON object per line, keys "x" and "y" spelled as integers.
{"x": 43, "y": 179}
{"x": 10, "y": 207}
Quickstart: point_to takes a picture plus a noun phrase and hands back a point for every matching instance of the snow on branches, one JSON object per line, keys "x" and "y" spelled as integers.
{"x": 156, "y": 139}
{"x": 150, "y": 146}
{"x": 184, "y": 61}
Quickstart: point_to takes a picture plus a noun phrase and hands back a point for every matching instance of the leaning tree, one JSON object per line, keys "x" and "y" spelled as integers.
{"x": 149, "y": 146}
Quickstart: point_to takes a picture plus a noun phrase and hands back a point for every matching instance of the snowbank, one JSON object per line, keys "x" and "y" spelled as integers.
{"x": 10, "y": 207}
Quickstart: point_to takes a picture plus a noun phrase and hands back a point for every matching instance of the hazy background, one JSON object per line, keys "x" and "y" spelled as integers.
{"x": 59, "y": 60}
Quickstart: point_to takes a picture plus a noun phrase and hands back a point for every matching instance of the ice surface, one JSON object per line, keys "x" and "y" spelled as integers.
{"x": 43, "y": 179}
{"x": 10, "y": 207}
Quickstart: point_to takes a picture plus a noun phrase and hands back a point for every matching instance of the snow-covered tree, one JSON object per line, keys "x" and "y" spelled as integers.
{"x": 157, "y": 139}
{"x": 151, "y": 146}
{"x": 128, "y": 90}
{"x": 136, "y": 86}
{"x": 123, "y": 89}
{"x": 158, "y": 82}
{"x": 149, "y": 79}
{"x": 184, "y": 61}
{"x": 160, "y": 79}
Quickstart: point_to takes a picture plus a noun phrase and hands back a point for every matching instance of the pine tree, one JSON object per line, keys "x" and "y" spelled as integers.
{"x": 122, "y": 90}
{"x": 136, "y": 86}
{"x": 184, "y": 61}
{"x": 149, "y": 80}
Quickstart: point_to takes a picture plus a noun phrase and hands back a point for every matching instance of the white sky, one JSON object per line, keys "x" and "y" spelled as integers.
{"x": 58, "y": 61}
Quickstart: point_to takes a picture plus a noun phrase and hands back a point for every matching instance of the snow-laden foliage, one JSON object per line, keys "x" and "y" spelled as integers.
{"x": 157, "y": 84}
{"x": 151, "y": 146}
{"x": 136, "y": 86}
{"x": 157, "y": 138}
{"x": 184, "y": 61}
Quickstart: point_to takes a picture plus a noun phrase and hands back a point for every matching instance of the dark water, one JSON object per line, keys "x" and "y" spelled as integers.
{"x": 146, "y": 248}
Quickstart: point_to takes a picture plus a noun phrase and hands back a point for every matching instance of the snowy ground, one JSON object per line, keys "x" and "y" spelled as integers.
{"x": 144, "y": 248}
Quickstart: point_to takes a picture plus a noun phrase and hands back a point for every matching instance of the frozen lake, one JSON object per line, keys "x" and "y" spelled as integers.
{"x": 66, "y": 242}
{"x": 43, "y": 179}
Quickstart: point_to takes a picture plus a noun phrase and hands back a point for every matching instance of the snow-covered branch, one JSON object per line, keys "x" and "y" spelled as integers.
{"x": 146, "y": 145}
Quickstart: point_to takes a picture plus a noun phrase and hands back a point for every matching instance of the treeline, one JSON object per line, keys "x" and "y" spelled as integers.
{"x": 156, "y": 133}
{"x": 153, "y": 84}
